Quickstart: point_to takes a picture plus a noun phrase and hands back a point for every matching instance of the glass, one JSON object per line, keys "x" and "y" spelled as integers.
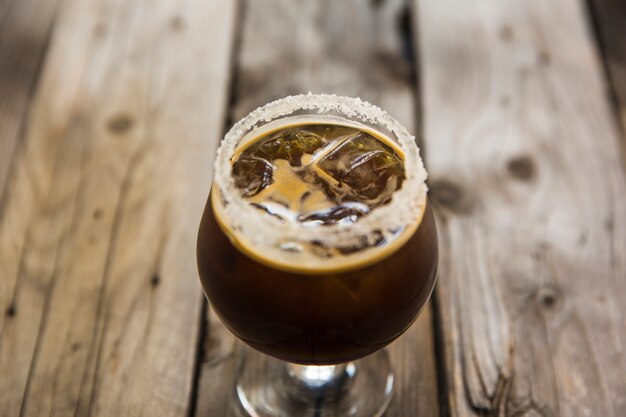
{"x": 324, "y": 325}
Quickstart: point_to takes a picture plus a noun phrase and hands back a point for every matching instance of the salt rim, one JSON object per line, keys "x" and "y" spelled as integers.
{"x": 267, "y": 233}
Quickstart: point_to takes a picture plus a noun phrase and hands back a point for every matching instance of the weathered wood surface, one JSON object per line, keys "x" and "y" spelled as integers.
{"x": 22, "y": 50}
{"x": 100, "y": 297}
{"x": 24, "y": 36}
{"x": 342, "y": 47}
{"x": 528, "y": 182}
{"x": 610, "y": 20}
{"x": 110, "y": 112}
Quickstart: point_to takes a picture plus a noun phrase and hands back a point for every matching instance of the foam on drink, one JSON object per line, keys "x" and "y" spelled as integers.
{"x": 318, "y": 194}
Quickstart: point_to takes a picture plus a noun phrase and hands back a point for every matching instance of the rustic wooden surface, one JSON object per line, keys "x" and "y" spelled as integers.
{"x": 523, "y": 153}
{"x": 23, "y": 40}
{"x": 100, "y": 294}
{"x": 110, "y": 112}
{"x": 21, "y": 56}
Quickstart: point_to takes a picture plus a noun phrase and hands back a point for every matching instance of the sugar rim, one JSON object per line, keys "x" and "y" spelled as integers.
{"x": 267, "y": 233}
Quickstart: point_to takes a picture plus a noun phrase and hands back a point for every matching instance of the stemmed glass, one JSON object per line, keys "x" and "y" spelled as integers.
{"x": 317, "y": 328}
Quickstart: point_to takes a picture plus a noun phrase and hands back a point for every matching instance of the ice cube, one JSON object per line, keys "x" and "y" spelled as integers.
{"x": 375, "y": 176}
{"x": 365, "y": 169}
{"x": 252, "y": 175}
{"x": 290, "y": 144}
{"x": 342, "y": 214}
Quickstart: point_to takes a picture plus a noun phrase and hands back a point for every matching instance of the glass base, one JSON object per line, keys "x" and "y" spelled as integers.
{"x": 268, "y": 387}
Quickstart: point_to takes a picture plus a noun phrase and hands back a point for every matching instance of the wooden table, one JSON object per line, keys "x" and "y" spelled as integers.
{"x": 110, "y": 113}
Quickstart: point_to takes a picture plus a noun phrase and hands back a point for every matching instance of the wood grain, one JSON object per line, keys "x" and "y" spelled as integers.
{"x": 22, "y": 49}
{"x": 610, "y": 21}
{"x": 24, "y": 33}
{"x": 99, "y": 224}
{"x": 529, "y": 186}
{"x": 216, "y": 380}
{"x": 351, "y": 48}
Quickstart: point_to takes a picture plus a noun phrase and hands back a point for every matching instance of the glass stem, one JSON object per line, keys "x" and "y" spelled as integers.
{"x": 316, "y": 376}
{"x": 269, "y": 387}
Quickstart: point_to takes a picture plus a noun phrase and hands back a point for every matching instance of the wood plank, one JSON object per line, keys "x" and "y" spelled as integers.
{"x": 529, "y": 187}
{"x": 346, "y": 47}
{"x": 216, "y": 380}
{"x": 99, "y": 224}
{"x": 24, "y": 38}
{"x": 24, "y": 32}
{"x": 610, "y": 23}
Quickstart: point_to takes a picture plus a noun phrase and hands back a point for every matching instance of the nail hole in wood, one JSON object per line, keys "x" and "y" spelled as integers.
{"x": 99, "y": 30}
{"x": 521, "y": 168}
{"x": 505, "y": 101}
{"x": 548, "y": 300}
{"x": 120, "y": 123}
{"x": 548, "y": 297}
{"x": 544, "y": 57}
{"x": 75, "y": 346}
{"x": 11, "y": 311}
{"x": 97, "y": 214}
{"x": 506, "y": 33}
{"x": 177, "y": 23}
{"x": 608, "y": 225}
{"x": 155, "y": 281}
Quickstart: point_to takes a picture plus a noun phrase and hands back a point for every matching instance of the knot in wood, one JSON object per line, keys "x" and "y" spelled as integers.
{"x": 449, "y": 195}
{"x": 506, "y": 33}
{"x": 543, "y": 57}
{"x": 155, "y": 281}
{"x": 99, "y": 30}
{"x": 11, "y": 311}
{"x": 548, "y": 297}
{"x": 120, "y": 123}
{"x": 177, "y": 24}
{"x": 521, "y": 167}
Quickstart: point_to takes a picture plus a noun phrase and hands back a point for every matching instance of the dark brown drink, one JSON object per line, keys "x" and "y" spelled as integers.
{"x": 313, "y": 301}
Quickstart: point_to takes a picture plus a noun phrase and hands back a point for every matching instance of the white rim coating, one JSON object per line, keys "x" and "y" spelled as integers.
{"x": 264, "y": 234}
